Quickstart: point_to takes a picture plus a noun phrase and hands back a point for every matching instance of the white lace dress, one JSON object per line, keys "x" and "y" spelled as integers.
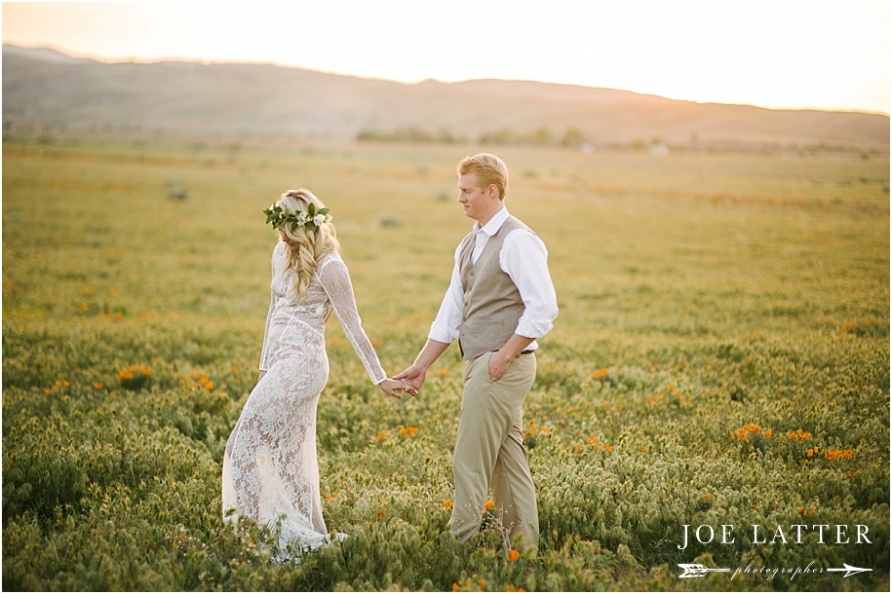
{"x": 270, "y": 471}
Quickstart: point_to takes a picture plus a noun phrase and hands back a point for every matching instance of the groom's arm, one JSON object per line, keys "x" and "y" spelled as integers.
{"x": 525, "y": 259}
{"x": 443, "y": 332}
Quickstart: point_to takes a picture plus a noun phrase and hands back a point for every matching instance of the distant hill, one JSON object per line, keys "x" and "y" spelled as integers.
{"x": 47, "y": 90}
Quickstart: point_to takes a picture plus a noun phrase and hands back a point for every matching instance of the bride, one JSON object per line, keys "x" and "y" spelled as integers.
{"x": 270, "y": 471}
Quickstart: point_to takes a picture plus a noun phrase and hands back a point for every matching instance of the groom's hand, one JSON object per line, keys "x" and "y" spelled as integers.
{"x": 413, "y": 375}
{"x": 498, "y": 365}
{"x": 393, "y": 387}
{"x": 501, "y": 359}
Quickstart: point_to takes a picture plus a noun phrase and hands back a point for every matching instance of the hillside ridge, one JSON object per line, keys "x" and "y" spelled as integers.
{"x": 45, "y": 89}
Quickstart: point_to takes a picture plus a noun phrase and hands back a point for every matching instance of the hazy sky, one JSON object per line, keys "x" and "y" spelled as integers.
{"x": 827, "y": 54}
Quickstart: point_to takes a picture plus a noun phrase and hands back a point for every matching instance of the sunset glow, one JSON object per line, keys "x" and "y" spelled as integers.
{"x": 778, "y": 53}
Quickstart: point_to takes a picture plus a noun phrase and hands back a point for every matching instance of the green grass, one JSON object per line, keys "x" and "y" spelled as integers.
{"x": 702, "y": 295}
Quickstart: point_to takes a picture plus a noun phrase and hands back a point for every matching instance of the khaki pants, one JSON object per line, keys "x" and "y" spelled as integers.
{"x": 489, "y": 451}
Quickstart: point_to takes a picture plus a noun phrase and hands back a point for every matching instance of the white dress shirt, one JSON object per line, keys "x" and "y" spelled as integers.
{"x": 524, "y": 259}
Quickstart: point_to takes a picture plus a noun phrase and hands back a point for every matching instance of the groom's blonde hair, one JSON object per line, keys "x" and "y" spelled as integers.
{"x": 489, "y": 169}
{"x": 305, "y": 247}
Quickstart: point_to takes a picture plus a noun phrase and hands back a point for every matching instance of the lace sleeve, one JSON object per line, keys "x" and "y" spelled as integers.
{"x": 335, "y": 280}
{"x": 265, "y": 351}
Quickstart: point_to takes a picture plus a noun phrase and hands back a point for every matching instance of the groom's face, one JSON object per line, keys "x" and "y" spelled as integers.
{"x": 479, "y": 203}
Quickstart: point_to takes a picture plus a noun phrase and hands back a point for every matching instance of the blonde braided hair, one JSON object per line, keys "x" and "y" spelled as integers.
{"x": 305, "y": 247}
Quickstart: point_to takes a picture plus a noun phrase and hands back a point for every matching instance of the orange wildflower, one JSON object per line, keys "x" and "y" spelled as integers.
{"x": 513, "y": 555}
{"x": 754, "y": 429}
{"x": 448, "y": 504}
{"x": 600, "y": 374}
{"x": 799, "y": 434}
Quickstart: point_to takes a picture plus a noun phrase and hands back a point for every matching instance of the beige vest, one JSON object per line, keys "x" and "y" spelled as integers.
{"x": 492, "y": 302}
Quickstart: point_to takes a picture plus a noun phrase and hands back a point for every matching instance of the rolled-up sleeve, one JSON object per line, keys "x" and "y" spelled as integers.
{"x": 448, "y": 321}
{"x": 525, "y": 259}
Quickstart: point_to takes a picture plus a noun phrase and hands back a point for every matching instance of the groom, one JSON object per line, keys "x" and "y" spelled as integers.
{"x": 499, "y": 301}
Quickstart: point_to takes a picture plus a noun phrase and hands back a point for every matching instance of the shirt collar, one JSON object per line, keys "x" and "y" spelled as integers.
{"x": 495, "y": 223}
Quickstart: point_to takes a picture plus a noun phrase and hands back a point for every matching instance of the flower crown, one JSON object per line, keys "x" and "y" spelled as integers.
{"x": 311, "y": 219}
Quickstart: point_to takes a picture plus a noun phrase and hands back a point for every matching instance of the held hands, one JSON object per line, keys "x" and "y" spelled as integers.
{"x": 396, "y": 387}
{"x": 413, "y": 376}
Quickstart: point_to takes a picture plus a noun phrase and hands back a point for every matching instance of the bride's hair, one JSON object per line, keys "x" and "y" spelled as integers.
{"x": 305, "y": 247}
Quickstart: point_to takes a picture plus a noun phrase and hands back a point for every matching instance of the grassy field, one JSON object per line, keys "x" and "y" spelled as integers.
{"x": 721, "y": 358}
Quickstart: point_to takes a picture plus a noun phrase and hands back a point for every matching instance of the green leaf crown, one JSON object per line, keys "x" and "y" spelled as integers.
{"x": 311, "y": 219}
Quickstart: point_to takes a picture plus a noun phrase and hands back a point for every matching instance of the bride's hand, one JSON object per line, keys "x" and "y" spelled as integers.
{"x": 394, "y": 387}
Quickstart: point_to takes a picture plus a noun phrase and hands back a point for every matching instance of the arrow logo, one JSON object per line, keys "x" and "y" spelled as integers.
{"x": 848, "y": 569}
{"x": 695, "y": 570}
